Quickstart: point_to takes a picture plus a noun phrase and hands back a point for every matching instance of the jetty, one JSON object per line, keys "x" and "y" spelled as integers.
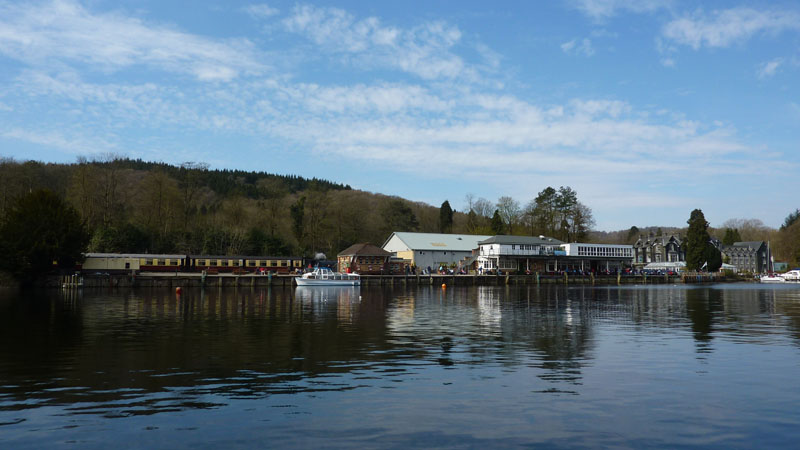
{"x": 183, "y": 279}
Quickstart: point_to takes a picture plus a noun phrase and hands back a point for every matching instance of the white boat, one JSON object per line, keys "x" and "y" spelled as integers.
{"x": 792, "y": 275}
{"x": 323, "y": 276}
{"x": 771, "y": 278}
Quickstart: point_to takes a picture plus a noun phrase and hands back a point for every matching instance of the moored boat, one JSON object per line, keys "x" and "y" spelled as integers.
{"x": 771, "y": 278}
{"x": 792, "y": 275}
{"x": 323, "y": 276}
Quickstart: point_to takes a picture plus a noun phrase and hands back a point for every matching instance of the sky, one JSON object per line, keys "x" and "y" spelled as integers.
{"x": 647, "y": 108}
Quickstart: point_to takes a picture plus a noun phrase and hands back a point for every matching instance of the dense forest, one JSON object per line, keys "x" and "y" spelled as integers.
{"x": 138, "y": 206}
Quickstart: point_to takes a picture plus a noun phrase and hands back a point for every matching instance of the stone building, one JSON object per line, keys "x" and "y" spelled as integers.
{"x": 365, "y": 259}
{"x": 656, "y": 249}
{"x": 753, "y": 256}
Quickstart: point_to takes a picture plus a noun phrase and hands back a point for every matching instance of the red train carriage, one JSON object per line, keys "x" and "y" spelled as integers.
{"x": 274, "y": 264}
{"x": 216, "y": 264}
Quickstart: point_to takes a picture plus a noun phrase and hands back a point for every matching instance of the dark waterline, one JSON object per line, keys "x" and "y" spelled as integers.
{"x": 664, "y": 366}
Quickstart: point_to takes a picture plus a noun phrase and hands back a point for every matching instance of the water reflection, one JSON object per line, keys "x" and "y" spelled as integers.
{"x": 132, "y": 353}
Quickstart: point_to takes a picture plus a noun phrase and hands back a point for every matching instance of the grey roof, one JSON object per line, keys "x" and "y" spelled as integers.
{"x": 438, "y": 241}
{"x": 364, "y": 249}
{"x": 663, "y": 240}
{"x": 524, "y": 240}
{"x": 754, "y": 244}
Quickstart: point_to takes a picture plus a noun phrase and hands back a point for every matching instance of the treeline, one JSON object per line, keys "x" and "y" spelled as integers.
{"x": 136, "y": 206}
{"x": 132, "y": 205}
{"x": 553, "y": 212}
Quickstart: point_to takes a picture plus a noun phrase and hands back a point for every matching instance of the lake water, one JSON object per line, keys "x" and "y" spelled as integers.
{"x": 473, "y": 367}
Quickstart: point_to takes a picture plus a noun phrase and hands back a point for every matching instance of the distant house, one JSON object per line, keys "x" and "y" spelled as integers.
{"x": 365, "y": 259}
{"x": 753, "y": 256}
{"x": 656, "y": 249}
{"x": 433, "y": 249}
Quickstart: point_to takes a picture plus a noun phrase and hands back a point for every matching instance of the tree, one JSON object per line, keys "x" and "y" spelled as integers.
{"x": 633, "y": 234}
{"x": 498, "y": 225}
{"x": 697, "y": 243}
{"x": 791, "y": 219}
{"x": 731, "y": 236}
{"x": 398, "y": 216}
{"x": 41, "y": 228}
{"x": 445, "y": 218}
{"x": 713, "y": 257}
{"x": 297, "y": 211}
{"x": 509, "y": 211}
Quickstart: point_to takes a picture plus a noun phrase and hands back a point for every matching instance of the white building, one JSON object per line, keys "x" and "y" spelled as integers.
{"x": 433, "y": 249}
{"x": 598, "y": 257}
{"x": 545, "y": 254}
{"x": 512, "y": 253}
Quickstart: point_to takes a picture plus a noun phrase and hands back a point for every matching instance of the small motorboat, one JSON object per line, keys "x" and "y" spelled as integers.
{"x": 792, "y": 275}
{"x": 323, "y": 276}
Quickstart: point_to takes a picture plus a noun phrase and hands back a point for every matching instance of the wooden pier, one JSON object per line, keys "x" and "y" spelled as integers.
{"x": 173, "y": 280}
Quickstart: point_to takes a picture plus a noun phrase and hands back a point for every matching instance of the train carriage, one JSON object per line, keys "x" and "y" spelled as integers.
{"x": 126, "y": 262}
{"x": 274, "y": 264}
{"x": 216, "y": 263}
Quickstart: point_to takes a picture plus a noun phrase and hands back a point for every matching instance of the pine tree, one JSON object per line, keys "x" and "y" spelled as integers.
{"x": 445, "y": 218}
{"x": 39, "y": 229}
{"x": 699, "y": 249}
{"x": 498, "y": 226}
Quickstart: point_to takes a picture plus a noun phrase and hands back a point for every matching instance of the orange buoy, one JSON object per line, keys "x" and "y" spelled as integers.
{"x": 178, "y": 290}
{"x": 444, "y": 286}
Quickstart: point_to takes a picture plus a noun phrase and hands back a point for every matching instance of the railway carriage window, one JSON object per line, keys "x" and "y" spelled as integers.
{"x": 251, "y": 263}
{"x": 284, "y": 264}
{"x": 173, "y": 262}
{"x": 148, "y": 262}
{"x": 235, "y": 263}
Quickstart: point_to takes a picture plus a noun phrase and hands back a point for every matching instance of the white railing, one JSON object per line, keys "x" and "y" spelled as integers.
{"x": 518, "y": 252}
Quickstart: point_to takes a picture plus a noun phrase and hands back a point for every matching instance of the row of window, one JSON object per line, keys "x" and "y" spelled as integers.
{"x": 621, "y": 252}
{"x": 159, "y": 262}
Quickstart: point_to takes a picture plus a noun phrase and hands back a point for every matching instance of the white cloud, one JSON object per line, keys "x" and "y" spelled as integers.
{"x": 42, "y": 34}
{"x": 54, "y": 139}
{"x": 260, "y": 10}
{"x": 604, "y": 9}
{"x": 726, "y": 27}
{"x": 424, "y": 50}
{"x": 576, "y": 47}
{"x": 769, "y": 68}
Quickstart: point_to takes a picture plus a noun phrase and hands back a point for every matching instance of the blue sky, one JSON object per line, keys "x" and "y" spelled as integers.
{"x": 647, "y": 108}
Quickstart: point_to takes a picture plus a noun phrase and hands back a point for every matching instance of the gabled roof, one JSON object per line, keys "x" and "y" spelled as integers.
{"x": 364, "y": 249}
{"x": 438, "y": 241}
{"x": 524, "y": 240}
{"x": 753, "y": 244}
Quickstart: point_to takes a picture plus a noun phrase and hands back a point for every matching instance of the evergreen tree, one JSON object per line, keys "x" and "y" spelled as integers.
{"x": 445, "y": 218}
{"x": 39, "y": 229}
{"x": 731, "y": 236}
{"x": 297, "y": 211}
{"x": 713, "y": 258}
{"x": 697, "y": 241}
{"x": 472, "y": 221}
{"x": 498, "y": 226}
{"x": 791, "y": 219}
{"x": 398, "y": 216}
{"x": 633, "y": 234}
